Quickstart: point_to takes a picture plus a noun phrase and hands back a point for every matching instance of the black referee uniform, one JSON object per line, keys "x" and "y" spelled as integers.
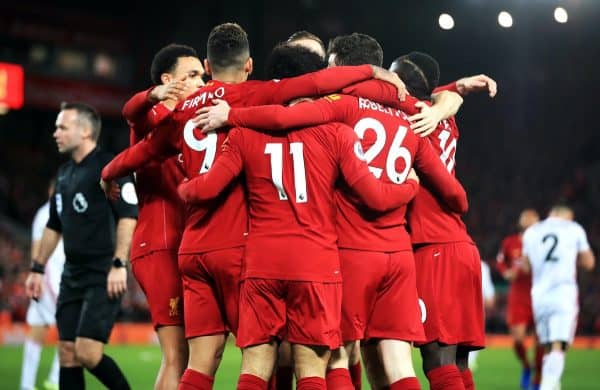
{"x": 87, "y": 220}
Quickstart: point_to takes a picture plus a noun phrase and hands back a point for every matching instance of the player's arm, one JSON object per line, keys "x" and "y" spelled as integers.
{"x": 507, "y": 272}
{"x": 585, "y": 256}
{"x": 157, "y": 146}
{"x": 435, "y": 177}
{"x": 50, "y": 238}
{"x": 374, "y": 193}
{"x": 326, "y": 81}
{"x": 226, "y": 168}
{"x": 471, "y": 84}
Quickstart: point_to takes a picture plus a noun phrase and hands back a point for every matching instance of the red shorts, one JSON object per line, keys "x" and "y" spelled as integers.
{"x": 306, "y": 313}
{"x": 519, "y": 310}
{"x": 449, "y": 285}
{"x": 160, "y": 279}
{"x": 211, "y": 287}
{"x": 380, "y": 297}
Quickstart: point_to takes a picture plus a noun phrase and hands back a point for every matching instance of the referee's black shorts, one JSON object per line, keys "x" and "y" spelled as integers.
{"x": 85, "y": 310}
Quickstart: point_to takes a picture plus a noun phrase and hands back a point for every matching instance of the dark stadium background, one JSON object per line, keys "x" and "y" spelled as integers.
{"x": 536, "y": 143}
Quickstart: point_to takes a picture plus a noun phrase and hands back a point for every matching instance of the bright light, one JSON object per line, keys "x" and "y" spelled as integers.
{"x": 446, "y": 22}
{"x": 505, "y": 20}
{"x": 560, "y": 14}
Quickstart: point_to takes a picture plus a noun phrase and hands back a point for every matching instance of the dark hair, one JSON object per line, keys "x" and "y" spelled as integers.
{"x": 419, "y": 71}
{"x": 85, "y": 113}
{"x": 356, "y": 49}
{"x": 303, "y": 34}
{"x": 288, "y": 60}
{"x": 227, "y": 47}
{"x": 165, "y": 60}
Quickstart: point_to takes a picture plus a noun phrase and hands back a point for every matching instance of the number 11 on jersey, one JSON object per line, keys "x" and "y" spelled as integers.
{"x": 275, "y": 150}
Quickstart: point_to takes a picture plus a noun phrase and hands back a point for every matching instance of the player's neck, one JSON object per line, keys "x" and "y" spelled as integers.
{"x": 82, "y": 151}
{"x": 231, "y": 77}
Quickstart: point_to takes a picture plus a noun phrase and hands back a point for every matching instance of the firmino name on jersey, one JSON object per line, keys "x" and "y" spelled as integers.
{"x": 366, "y": 104}
{"x": 204, "y": 97}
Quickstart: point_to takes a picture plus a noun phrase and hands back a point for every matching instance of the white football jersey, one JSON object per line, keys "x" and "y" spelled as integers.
{"x": 487, "y": 285}
{"x": 56, "y": 262}
{"x": 552, "y": 246}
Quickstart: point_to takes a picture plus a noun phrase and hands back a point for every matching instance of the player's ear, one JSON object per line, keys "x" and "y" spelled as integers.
{"x": 207, "y": 67}
{"x": 165, "y": 78}
{"x": 249, "y": 66}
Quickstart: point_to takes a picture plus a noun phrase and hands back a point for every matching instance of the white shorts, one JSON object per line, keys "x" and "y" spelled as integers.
{"x": 556, "y": 324}
{"x": 42, "y": 313}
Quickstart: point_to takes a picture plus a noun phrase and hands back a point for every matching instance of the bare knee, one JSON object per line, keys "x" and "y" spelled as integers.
{"x": 173, "y": 345}
{"x": 88, "y": 352}
{"x": 66, "y": 354}
{"x": 311, "y": 360}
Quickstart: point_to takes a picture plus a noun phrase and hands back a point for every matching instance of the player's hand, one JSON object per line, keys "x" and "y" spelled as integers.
{"x": 210, "y": 118}
{"x": 116, "y": 282}
{"x": 176, "y": 90}
{"x": 412, "y": 174}
{"x": 111, "y": 189}
{"x": 33, "y": 285}
{"x": 425, "y": 122}
{"x": 392, "y": 78}
{"x": 477, "y": 83}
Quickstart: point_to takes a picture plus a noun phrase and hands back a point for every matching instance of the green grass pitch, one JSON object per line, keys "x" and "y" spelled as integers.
{"x": 497, "y": 368}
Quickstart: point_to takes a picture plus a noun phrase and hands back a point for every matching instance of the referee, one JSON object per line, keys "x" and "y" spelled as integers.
{"x": 97, "y": 234}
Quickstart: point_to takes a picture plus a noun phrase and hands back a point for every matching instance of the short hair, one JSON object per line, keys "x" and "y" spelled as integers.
{"x": 85, "y": 113}
{"x": 303, "y": 34}
{"x": 165, "y": 60}
{"x": 227, "y": 47}
{"x": 419, "y": 71}
{"x": 562, "y": 209}
{"x": 356, "y": 49}
{"x": 288, "y": 60}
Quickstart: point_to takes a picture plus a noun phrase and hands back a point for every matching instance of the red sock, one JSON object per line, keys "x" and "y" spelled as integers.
{"x": 521, "y": 352}
{"x": 356, "y": 375}
{"x": 285, "y": 378}
{"x": 410, "y": 383}
{"x": 339, "y": 379}
{"x": 194, "y": 380}
{"x": 445, "y": 378}
{"x": 467, "y": 378}
{"x": 539, "y": 357}
{"x": 311, "y": 383}
{"x": 251, "y": 382}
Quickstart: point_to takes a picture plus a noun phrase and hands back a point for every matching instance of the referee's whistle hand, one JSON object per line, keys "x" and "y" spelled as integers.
{"x": 33, "y": 285}
{"x": 116, "y": 282}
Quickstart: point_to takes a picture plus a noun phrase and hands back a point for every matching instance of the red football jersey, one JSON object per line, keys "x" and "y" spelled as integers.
{"x": 510, "y": 253}
{"x": 221, "y": 223}
{"x": 390, "y": 150}
{"x": 160, "y": 219}
{"x": 291, "y": 178}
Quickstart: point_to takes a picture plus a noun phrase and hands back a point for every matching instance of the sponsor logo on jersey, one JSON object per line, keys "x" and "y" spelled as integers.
{"x": 80, "y": 204}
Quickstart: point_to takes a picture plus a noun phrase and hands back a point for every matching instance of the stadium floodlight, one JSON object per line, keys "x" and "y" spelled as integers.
{"x": 561, "y": 15}
{"x": 505, "y": 19}
{"x": 446, "y": 21}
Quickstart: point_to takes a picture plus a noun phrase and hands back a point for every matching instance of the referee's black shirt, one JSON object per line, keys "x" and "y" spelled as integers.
{"x": 87, "y": 220}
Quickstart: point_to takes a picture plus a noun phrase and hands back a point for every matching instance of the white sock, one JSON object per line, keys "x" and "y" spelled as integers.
{"x": 552, "y": 369}
{"x": 54, "y": 369}
{"x": 31, "y": 359}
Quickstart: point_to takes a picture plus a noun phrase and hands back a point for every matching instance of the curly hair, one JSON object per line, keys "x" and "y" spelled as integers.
{"x": 355, "y": 49}
{"x": 227, "y": 47}
{"x": 288, "y": 60}
{"x": 165, "y": 60}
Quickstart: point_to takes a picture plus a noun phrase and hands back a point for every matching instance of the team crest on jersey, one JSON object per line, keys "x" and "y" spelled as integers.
{"x": 58, "y": 199}
{"x": 358, "y": 150}
{"x": 333, "y": 98}
{"x": 80, "y": 203}
{"x": 174, "y": 307}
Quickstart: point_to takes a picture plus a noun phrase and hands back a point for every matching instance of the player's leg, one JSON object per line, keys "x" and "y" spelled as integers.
{"x": 313, "y": 328}
{"x": 561, "y": 327}
{"x": 164, "y": 300}
{"x": 262, "y": 320}
{"x": 283, "y": 378}
{"x": 462, "y": 362}
{"x": 338, "y": 375}
{"x": 373, "y": 366}
{"x": 355, "y": 365}
{"x": 32, "y": 350}
{"x": 439, "y": 365}
{"x": 68, "y": 309}
{"x": 96, "y": 321}
{"x": 51, "y": 382}
{"x": 518, "y": 333}
{"x": 539, "y": 358}
{"x": 394, "y": 333}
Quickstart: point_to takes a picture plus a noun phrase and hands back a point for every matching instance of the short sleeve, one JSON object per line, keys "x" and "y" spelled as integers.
{"x": 126, "y": 206}
{"x": 527, "y": 241}
{"x": 54, "y": 222}
{"x": 582, "y": 241}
